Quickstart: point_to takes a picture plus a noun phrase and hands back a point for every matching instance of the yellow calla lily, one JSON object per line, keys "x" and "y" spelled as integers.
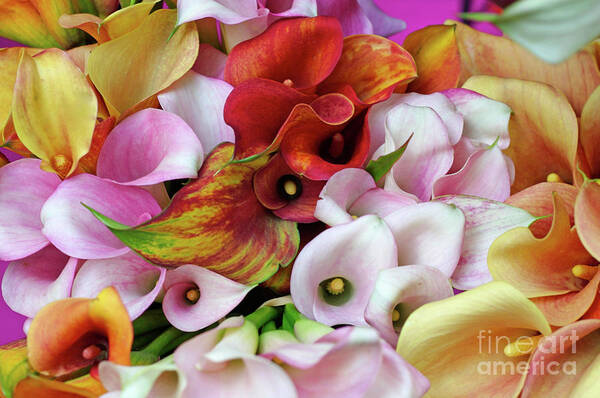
{"x": 460, "y": 343}
{"x": 134, "y": 67}
{"x": 54, "y": 110}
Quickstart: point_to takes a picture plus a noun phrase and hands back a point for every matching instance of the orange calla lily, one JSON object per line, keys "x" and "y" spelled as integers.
{"x": 3, "y": 160}
{"x": 54, "y": 110}
{"x": 38, "y": 387}
{"x": 58, "y": 346}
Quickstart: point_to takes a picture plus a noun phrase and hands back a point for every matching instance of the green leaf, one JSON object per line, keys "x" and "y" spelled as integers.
{"x": 380, "y": 167}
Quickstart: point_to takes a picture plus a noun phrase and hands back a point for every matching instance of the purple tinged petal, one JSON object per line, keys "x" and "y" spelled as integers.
{"x": 210, "y": 63}
{"x": 380, "y": 202}
{"x": 226, "y": 11}
{"x": 137, "y": 282}
{"x": 397, "y": 378}
{"x": 75, "y": 231}
{"x": 353, "y": 19}
{"x": 485, "y": 221}
{"x": 218, "y": 296}
{"x": 383, "y": 24}
{"x": 233, "y": 34}
{"x": 428, "y": 155}
{"x": 428, "y": 234}
{"x": 274, "y": 339}
{"x": 199, "y": 100}
{"x": 298, "y": 8}
{"x": 149, "y": 147}
{"x": 411, "y": 286}
{"x": 354, "y": 251}
{"x": 25, "y": 188}
{"x": 339, "y": 193}
{"x": 485, "y": 119}
{"x": 32, "y": 282}
{"x": 300, "y": 356}
{"x": 485, "y": 174}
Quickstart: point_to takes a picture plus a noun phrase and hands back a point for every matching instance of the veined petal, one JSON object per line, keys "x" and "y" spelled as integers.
{"x": 9, "y": 62}
{"x": 345, "y": 251}
{"x": 466, "y": 330}
{"x": 215, "y": 222}
{"x": 406, "y": 287}
{"x": 32, "y": 282}
{"x": 485, "y": 54}
{"x": 589, "y": 133}
{"x": 435, "y": 51}
{"x": 428, "y": 155}
{"x": 20, "y": 207}
{"x": 485, "y": 220}
{"x": 384, "y": 24}
{"x": 149, "y": 147}
{"x": 587, "y": 216}
{"x": 50, "y": 15}
{"x": 72, "y": 229}
{"x": 217, "y": 297}
{"x": 542, "y": 119}
{"x": 137, "y": 282}
{"x": 428, "y": 233}
{"x": 21, "y": 21}
{"x": 485, "y": 174}
{"x": 540, "y": 267}
{"x": 226, "y": 11}
{"x": 303, "y": 50}
{"x": 55, "y": 347}
{"x": 35, "y": 386}
{"x": 200, "y": 101}
{"x": 350, "y": 14}
{"x": 486, "y": 120}
{"x": 372, "y": 66}
{"x": 54, "y": 110}
{"x": 127, "y": 81}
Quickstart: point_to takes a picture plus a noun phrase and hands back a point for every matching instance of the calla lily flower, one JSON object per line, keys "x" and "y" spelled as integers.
{"x": 137, "y": 282}
{"x": 553, "y": 270}
{"x": 469, "y": 333}
{"x": 196, "y": 297}
{"x": 57, "y": 348}
{"x": 161, "y": 379}
{"x": 35, "y": 386}
{"x": 222, "y": 362}
{"x": 351, "y": 361}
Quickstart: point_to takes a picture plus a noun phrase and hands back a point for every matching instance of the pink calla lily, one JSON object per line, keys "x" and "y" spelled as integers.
{"x": 34, "y": 281}
{"x": 335, "y": 273}
{"x": 157, "y": 145}
{"x": 20, "y": 206}
{"x": 137, "y": 282}
{"x": 196, "y": 297}
{"x": 76, "y": 232}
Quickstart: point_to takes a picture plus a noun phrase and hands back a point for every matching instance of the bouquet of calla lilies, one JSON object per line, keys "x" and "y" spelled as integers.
{"x": 270, "y": 198}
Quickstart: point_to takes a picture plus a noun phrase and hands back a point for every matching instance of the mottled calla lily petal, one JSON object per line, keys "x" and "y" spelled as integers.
{"x": 403, "y": 289}
{"x": 137, "y": 282}
{"x": 35, "y": 386}
{"x": 217, "y": 296}
{"x": 56, "y": 347}
{"x": 60, "y": 136}
{"x": 372, "y": 66}
{"x": 149, "y": 147}
{"x": 485, "y": 174}
{"x": 428, "y": 155}
{"x": 32, "y": 282}
{"x": 589, "y": 134}
{"x": 485, "y": 54}
{"x": 248, "y": 251}
{"x": 350, "y": 14}
{"x": 383, "y": 24}
{"x": 435, "y": 51}
{"x": 199, "y": 100}
{"x": 20, "y": 21}
{"x": 75, "y": 231}
{"x": 9, "y": 62}
{"x": 461, "y": 332}
{"x": 428, "y": 233}
{"x": 587, "y": 216}
{"x": 485, "y": 220}
{"x": 20, "y": 206}
{"x": 546, "y": 27}
{"x": 549, "y": 125}
{"x": 577, "y": 344}
{"x": 126, "y": 81}
{"x": 302, "y": 50}
{"x": 345, "y": 252}
{"x": 161, "y": 379}
{"x": 540, "y": 267}
{"x": 486, "y": 120}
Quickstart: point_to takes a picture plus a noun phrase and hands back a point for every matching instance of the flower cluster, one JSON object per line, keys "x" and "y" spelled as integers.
{"x": 271, "y": 198}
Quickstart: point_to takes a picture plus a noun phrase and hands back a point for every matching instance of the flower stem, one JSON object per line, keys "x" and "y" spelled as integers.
{"x": 159, "y": 345}
{"x": 148, "y": 321}
{"x": 263, "y": 315}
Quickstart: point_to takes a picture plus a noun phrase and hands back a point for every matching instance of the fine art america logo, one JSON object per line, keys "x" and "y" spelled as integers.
{"x": 515, "y": 355}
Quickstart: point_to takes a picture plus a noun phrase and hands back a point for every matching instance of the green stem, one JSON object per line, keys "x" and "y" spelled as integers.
{"x": 292, "y": 313}
{"x": 149, "y": 321}
{"x": 263, "y": 315}
{"x": 158, "y": 346}
{"x": 269, "y": 326}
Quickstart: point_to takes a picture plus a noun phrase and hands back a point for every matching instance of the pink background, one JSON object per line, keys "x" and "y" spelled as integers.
{"x": 416, "y": 13}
